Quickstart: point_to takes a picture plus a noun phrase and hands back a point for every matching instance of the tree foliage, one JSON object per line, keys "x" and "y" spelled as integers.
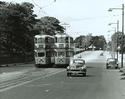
{"x": 83, "y": 41}
{"x": 118, "y": 39}
{"x": 86, "y": 41}
{"x": 16, "y": 27}
{"x": 98, "y": 41}
{"x": 48, "y": 25}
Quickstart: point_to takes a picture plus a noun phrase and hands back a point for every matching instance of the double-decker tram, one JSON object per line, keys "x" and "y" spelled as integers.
{"x": 64, "y": 49}
{"x": 44, "y": 50}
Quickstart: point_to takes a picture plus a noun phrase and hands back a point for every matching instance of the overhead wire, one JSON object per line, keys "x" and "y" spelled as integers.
{"x": 41, "y": 8}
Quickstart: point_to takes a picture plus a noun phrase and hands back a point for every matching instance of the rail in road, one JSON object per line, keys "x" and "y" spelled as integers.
{"x": 27, "y": 78}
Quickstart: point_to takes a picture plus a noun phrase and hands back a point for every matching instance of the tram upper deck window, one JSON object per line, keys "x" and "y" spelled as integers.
{"x": 67, "y": 45}
{"x": 41, "y": 46}
{"x": 40, "y": 40}
{"x": 71, "y": 40}
{"x": 41, "y": 54}
{"x": 49, "y": 40}
{"x": 61, "y": 40}
{"x": 67, "y": 40}
{"x": 35, "y": 54}
{"x": 61, "y": 45}
{"x": 55, "y": 39}
{"x": 61, "y": 54}
{"x": 35, "y": 40}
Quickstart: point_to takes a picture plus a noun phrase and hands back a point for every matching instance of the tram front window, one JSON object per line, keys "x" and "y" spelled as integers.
{"x": 41, "y": 54}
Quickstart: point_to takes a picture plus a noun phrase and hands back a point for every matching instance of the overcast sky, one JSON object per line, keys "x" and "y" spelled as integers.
{"x": 83, "y": 16}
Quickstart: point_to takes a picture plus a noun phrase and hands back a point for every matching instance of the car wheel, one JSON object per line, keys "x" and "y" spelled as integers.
{"x": 116, "y": 67}
{"x": 107, "y": 66}
{"x": 68, "y": 74}
{"x": 84, "y": 74}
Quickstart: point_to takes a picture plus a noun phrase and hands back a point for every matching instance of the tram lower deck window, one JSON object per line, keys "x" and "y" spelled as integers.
{"x": 41, "y": 54}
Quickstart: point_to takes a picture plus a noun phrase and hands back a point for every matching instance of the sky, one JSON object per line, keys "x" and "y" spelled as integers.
{"x": 81, "y": 16}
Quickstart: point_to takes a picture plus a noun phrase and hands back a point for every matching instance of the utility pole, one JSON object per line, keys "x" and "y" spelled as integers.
{"x": 122, "y": 37}
{"x": 122, "y": 51}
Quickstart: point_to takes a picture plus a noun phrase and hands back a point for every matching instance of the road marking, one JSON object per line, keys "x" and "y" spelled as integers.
{"x": 26, "y": 82}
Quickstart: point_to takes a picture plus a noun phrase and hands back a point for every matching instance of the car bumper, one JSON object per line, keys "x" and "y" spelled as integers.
{"x": 76, "y": 71}
{"x": 112, "y": 66}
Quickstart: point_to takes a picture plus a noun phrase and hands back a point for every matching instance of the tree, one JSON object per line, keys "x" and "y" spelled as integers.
{"x": 79, "y": 42}
{"x": 48, "y": 25}
{"x": 83, "y": 41}
{"x": 117, "y": 40}
{"x": 98, "y": 41}
{"x": 17, "y": 22}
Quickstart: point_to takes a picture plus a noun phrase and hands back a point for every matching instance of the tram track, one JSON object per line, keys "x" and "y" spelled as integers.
{"x": 26, "y": 78}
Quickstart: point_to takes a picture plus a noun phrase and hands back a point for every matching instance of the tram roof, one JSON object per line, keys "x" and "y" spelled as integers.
{"x": 43, "y": 36}
{"x": 62, "y": 35}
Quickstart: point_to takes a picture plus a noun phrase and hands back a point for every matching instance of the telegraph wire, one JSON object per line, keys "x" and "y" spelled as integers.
{"x": 41, "y": 8}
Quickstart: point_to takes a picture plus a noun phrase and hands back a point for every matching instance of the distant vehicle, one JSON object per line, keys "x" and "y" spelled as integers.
{"x": 101, "y": 54}
{"x": 77, "y": 66}
{"x": 111, "y": 63}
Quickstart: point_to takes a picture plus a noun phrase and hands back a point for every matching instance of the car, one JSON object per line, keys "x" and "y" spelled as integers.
{"x": 101, "y": 54}
{"x": 112, "y": 63}
{"x": 77, "y": 66}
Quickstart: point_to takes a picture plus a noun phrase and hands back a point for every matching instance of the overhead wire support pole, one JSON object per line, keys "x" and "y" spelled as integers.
{"x": 122, "y": 51}
{"x": 122, "y": 37}
{"x": 116, "y": 31}
{"x": 117, "y": 38}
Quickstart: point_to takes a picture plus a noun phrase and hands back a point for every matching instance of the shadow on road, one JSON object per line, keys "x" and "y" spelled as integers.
{"x": 90, "y": 67}
{"x": 90, "y": 75}
{"x": 123, "y": 78}
{"x": 82, "y": 76}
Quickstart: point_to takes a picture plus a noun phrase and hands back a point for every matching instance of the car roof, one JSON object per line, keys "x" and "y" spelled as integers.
{"x": 79, "y": 59}
{"x": 111, "y": 59}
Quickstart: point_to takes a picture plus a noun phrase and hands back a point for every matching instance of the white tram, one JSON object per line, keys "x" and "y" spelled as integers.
{"x": 44, "y": 50}
{"x": 64, "y": 49}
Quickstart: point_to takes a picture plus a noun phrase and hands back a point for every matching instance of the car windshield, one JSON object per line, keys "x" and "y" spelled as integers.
{"x": 111, "y": 59}
{"x": 78, "y": 61}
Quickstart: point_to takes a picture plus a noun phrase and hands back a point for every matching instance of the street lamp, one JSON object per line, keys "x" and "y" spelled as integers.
{"x": 112, "y": 43}
{"x": 111, "y": 9}
{"x": 116, "y": 24}
{"x": 117, "y": 32}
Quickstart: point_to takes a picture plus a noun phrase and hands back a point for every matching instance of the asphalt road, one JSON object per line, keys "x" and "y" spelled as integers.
{"x": 98, "y": 84}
